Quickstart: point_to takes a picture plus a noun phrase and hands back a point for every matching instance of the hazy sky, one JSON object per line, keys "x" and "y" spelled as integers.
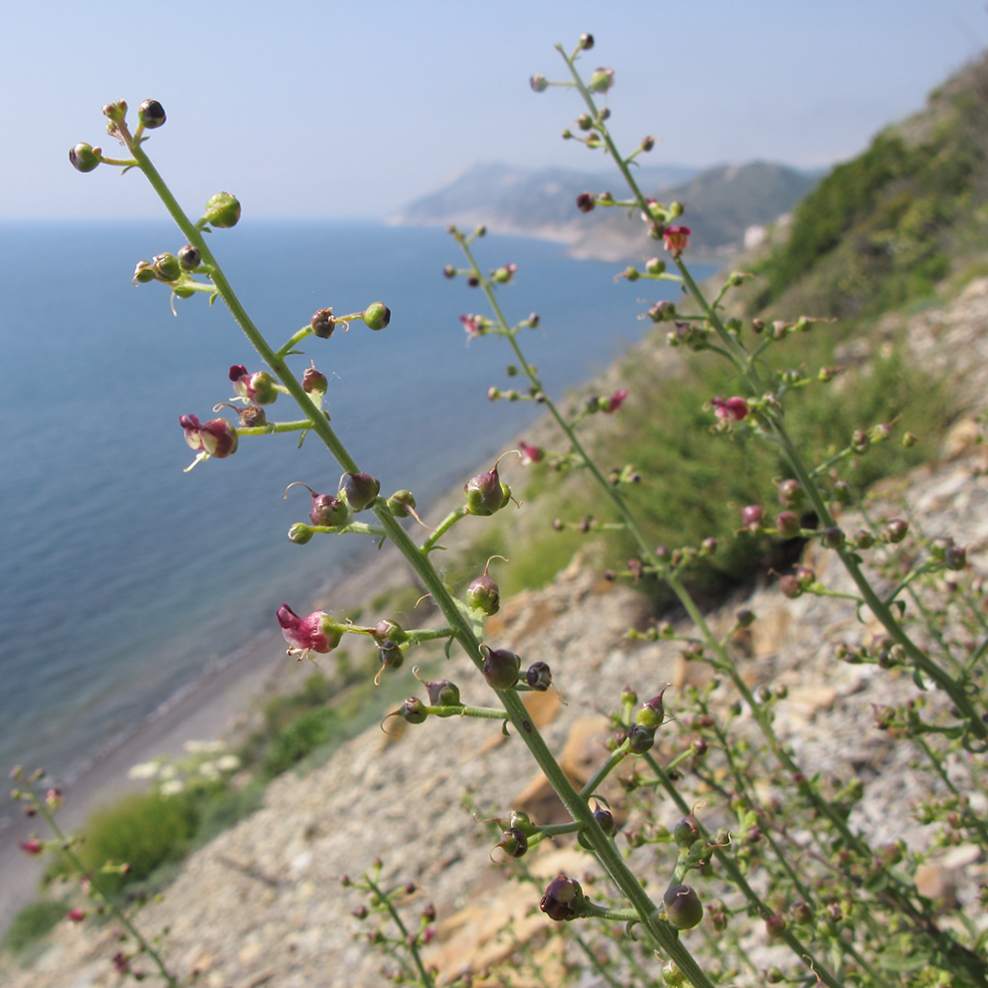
{"x": 306, "y": 108}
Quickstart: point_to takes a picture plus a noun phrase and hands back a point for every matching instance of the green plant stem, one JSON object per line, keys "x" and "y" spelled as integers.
{"x": 409, "y": 942}
{"x": 444, "y": 526}
{"x": 614, "y": 759}
{"x": 578, "y": 808}
{"x": 118, "y": 913}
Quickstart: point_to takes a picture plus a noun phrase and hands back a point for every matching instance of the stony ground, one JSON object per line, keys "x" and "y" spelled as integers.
{"x": 263, "y": 904}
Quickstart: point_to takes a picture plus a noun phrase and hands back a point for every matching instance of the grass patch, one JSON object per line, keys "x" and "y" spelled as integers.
{"x": 32, "y": 923}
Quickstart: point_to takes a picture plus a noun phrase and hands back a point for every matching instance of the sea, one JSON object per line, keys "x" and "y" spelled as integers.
{"x": 124, "y": 579}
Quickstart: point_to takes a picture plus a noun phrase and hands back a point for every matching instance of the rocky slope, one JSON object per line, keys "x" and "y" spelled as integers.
{"x": 263, "y": 903}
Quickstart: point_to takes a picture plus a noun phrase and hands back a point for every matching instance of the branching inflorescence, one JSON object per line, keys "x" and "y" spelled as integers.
{"x": 848, "y": 912}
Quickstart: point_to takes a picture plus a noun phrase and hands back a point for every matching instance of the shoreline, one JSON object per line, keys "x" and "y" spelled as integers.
{"x": 211, "y": 706}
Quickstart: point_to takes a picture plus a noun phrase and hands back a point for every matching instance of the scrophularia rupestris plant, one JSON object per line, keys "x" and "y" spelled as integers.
{"x": 699, "y": 738}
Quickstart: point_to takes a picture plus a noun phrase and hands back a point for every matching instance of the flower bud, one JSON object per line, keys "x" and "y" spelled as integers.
{"x": 401, "y": 504}
{"x": 189, "y": 257}
{"x": 730, "y": 409}
{"x": 84, "y": 158}
{"x": 219, "y": 438}
{"x": 539, "y": 676}
{"x": 563, "y": 899}
{"x": 33, "y": 847}
{"x": 143, "y": 273}
{"x": 585, "y": 202}
{"x": 377, "y": 315}
{"x": 443, "y": 693}
{"x": 359, "y": 490}
{"x": 151, "y": 114}
{"x": 485, "y": 493}
{"x": 539, "y": 83}
{"x": 956, "y": 557}
{"x": 774, "y": 927}
{"x": 833, "y": 537}
{"x": 863, "y": 539}
{"x": 501, "y": 668}
{"x": 314, "y": 381}
{"x": 605, "y": 819}
{"x": 787, "y": 522}
{"x": 683, "y": 907}
{"x": 328, "y": 510}
{"x": 390, "y": 655}
{"x": 662, "y": 311}
{"x": 513, "y": 842}
{"x": 601, "y": 80}
{"x": 166, "y": 267}
{"x": 483, "y": 595}
{"x": 652, "y": 712}
{"x": 648, "y": 142}
{"x": 791, "y": 494}
{"x": 896, "y": 530}
{"x": 790, "y": 587}
{"x": 751, "y": 517}
{"x": 222, "y": 211}
{"x": 640, "y": 739}
{"x": 801, "y": 913}
{"x": 300, "y": 534}
{"x": 584, "y": 121}
{"x": 323, "y": 323}
{"x": 413, "y": 710}
{"x": 586, "y": 41}
{"x": 687, "y": 832}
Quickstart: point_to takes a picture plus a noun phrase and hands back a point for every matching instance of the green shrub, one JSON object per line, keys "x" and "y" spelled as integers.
{"x": 33, "y": 922}
{"x": 298, "y": 739}
{"x": 141, "y": 830}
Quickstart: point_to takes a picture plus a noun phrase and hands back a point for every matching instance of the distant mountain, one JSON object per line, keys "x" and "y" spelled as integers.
{"x": 721, "y": 204}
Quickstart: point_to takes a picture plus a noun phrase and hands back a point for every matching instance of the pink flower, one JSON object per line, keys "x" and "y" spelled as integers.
{"x": 529, "y": 454}
{"x": 614, "y": 403}
{"x": 33, "y": 846}
{"x": 676, "y": 239}
{"x": 730, "y": 409}
{"x": 751, "y": 517}
{"x": 474, "y": 325}
{"x": 75, "y": 915}
{"x": 317, "y": 632}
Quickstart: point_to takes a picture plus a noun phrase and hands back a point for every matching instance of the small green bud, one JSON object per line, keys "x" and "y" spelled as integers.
{"x": 300, "y": 534}
{"x": 655, "y": 266}
{"x": 513, "y": 842}
{"x": 586, "y": 41}
{"x": 652, "y": 712}
{"x": 484, "y": 595}
{"x": 601, "y": 80}
{"x": 222, "y": 211}
{"x": 377, "y": 315}
{"x": 166, "y": 267}
{"x": 413, "y": 710}
{"x": 84, "y": 158}
{"x": 151, "y": 114}
{"x": 401, "y": 503}
{"x": 143, "y": 273}
{"x": 539, "y": 83}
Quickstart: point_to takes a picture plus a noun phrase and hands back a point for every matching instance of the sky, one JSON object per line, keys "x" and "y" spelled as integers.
{"x": 325, "y": 109}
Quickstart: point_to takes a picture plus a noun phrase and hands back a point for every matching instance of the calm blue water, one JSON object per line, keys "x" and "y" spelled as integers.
{"x": 123, "y": 578}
